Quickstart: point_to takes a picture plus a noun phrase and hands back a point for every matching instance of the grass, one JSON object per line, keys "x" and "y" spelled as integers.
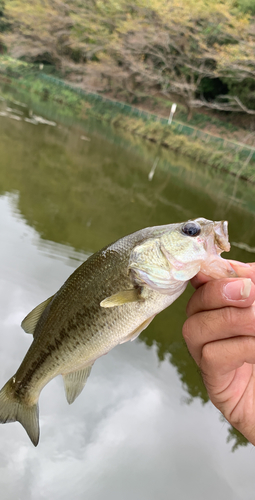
{"x": 199, "y": 120}
{"x": 72, "y": 103}
{"x": 202, "y": 152}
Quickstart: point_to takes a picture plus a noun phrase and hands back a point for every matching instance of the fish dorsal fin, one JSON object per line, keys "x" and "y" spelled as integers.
{"x": 123, "y": 297}
{"x": 74, "y": 382}
{"x": 133, "y": 335}
{"x": 30, "y": 321}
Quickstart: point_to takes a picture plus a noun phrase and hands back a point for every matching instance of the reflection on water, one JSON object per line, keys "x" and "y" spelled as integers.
{"x": 62, "y": 199}
{"x": 65, "y": 252}
{"x": 244, "y": 246}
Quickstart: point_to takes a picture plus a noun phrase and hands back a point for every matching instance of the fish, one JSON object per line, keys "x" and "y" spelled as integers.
{"x": 108, "y": 300}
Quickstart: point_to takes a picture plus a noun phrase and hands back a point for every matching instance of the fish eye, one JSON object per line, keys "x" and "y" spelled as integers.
{"x": 191, "y": 229}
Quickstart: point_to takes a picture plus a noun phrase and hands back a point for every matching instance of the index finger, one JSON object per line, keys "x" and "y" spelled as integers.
{"x": 217, "y": 324}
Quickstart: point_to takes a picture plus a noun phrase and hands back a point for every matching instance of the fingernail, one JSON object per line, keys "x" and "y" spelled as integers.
{"x": 237, "y": 290}
{"x": 239, "y": 264}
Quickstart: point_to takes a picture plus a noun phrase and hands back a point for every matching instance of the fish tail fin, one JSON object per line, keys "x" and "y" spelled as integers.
{"x": 13, "y": 409}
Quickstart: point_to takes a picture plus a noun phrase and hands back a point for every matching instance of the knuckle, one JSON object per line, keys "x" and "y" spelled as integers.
{"x": 229, "y": 316}
{"x": 204, "y": 295}
{"x": 188, "y": 307}
{"x": 206, "y": 323}
{"x": 239, "y": 319}
{"x": 186, "y": 329}
{"x": 207, "y": 355}
{"x": 196, "y": 326}
{"x": 191, "y": 333}
{"x": 249, "y": 320}
{"x": 198, "y": 301}
{"x": 235, "y": 318}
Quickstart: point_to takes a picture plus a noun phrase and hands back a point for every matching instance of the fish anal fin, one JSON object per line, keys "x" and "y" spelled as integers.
{"x": 74, "y": 382}
{"x": 30, "y": 321}
{"x": 123, "y": 297}
{"x": 133, "y": 335}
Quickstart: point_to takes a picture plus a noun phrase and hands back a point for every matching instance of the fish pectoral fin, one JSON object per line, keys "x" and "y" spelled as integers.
{"x": 133, "y": 335}
{"x": 123, "y": 297}
{"x": 75, "y": 381}
{"x": 30, "y": 321}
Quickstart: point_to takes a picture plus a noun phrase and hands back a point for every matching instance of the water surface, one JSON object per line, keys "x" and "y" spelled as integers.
{"x": 143, "y": 427}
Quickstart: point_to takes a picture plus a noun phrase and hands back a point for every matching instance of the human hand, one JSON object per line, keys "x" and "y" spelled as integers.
{"x": 220, "y": 335}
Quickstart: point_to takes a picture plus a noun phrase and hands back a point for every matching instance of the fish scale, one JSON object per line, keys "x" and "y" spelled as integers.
{"x": 107, "y": 301}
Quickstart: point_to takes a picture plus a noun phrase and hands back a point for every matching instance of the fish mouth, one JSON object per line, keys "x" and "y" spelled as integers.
{"x": 221, "y": 236}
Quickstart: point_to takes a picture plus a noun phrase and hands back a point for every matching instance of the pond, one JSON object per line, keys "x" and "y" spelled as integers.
{"x": 143, "y": 427}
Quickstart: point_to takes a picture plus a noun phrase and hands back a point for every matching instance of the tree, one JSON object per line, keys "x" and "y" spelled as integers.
{"x": 177, "y": 48}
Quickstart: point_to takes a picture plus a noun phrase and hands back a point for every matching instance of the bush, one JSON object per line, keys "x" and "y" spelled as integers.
{"x": 246, "y": 6}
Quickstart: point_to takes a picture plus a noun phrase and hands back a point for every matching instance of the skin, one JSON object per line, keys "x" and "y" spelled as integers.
{"x": 220, "y": 336}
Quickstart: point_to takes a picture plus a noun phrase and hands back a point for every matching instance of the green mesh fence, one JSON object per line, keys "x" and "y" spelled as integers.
{"x": 104, "y": 103}
{"x": 177, "y": 127}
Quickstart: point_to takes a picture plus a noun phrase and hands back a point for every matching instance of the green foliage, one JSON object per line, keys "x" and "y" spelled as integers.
{"x": 26, "y": 76}
{"x": 245, "y": 90}
{"x": 179, "y": 137}
{"x": 246, "y": 6}
{"x": 201, "y": 120}
{"x": 4, "y": 24}
{"x": 237, "y": 437}
{"x": 203, "y": 152}
{"x": 13, "y": 67}
{"x": 142, "y": 45}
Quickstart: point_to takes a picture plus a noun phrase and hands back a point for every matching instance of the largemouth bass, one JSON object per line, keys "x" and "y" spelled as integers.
{"x": 108, "y": 300}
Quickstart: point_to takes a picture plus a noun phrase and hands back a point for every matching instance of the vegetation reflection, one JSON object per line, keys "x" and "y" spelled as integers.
{"x": 87, "y": 193}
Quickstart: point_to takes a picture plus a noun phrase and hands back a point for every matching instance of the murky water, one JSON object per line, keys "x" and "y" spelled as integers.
{"x": 142, "y": 428}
